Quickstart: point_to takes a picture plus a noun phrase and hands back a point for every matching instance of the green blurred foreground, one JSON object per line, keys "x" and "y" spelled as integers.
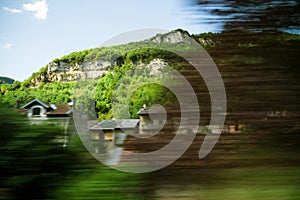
{"x": 33, "y": 165}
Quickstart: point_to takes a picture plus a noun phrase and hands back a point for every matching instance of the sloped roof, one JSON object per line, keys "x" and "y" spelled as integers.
{"x": 61, "y": 109}
{"x": 28, "y": 105}
{"x": 116, "y": 124}
{"x": 127, "y": 123}
{"x": 168, "y": 109}
{"x": 146, "y": 111}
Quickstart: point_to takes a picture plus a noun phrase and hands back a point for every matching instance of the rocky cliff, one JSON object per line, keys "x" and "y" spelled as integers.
{"x": 63, "y": 71}
{"x": 173, "y": 37}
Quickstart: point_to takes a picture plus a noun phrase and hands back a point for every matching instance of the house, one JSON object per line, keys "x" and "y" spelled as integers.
{"x": 37, "y": 108}
{"x": 151, "y": 119}
{"x": 110, "y": 129}
{"x": 108, "y": 133}
{"x": 154, "y": 120}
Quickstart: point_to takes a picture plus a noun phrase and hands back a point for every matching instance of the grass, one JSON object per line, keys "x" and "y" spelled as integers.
{"x": 101, "y": 183}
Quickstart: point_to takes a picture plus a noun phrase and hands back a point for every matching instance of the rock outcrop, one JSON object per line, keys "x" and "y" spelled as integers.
{"x": 64, "y": 72}
{"x": 173, "y": 37}
{"x": 60, "y": 71}
{"x": 69, "y": 72}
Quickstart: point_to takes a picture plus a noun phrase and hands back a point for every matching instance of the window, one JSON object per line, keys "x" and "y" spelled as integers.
{"x": 36, "y": 111}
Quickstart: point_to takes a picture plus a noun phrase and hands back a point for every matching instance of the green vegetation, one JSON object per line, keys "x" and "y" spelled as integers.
{"x": 245, "y": 183}
{"x": 237, "y": 54}
{"x": 113, "y": 89}
{"x": 260, "y": 73}
{"x": 75, "y": 57}
{"x": 48, "y": 92}
{"x": 101, "y": 182}
{"x": 34, "y": 166}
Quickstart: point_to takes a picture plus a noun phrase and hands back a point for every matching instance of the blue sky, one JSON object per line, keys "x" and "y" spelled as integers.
{"x": 34, "y": 32}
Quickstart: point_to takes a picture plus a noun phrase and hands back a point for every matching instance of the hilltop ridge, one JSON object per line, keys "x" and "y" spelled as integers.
{"x": 94, "y": 63}
{"x": 260, "y": 71}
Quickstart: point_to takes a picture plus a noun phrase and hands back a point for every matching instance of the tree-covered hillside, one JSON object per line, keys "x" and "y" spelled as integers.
{"x": 260, "y": 71}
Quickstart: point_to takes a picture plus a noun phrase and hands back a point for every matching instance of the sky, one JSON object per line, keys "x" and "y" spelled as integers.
{"x": 34, "y": 32}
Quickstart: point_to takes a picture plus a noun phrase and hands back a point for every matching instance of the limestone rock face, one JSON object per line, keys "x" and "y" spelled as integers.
{"x": 65, "y": 72}
{"x": 61, "y": 71}
{"x": 176, "y": 37}
{"x": 156, "y": 66}
{"x": 173, "y": 37}
{"x": 69, "y": 72}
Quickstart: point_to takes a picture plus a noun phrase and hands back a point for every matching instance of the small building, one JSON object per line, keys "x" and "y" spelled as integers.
{"x": 110, "y": 129}
{"x": 37, "y": 108}
{"x": 113, "y": 131}
{"x": 151, "y": 119}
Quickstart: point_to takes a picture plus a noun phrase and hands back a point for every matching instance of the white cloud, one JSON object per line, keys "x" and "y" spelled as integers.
{"x": 12, "y": 10}
{"x": 8, "y": 46}
{"x": 40, "y": 9}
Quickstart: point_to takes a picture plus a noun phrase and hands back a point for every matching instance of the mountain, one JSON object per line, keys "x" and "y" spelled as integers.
{"x": 7, "y": 80}
{"x": 260, "y": 70}
{"x": 94, "y": 63}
